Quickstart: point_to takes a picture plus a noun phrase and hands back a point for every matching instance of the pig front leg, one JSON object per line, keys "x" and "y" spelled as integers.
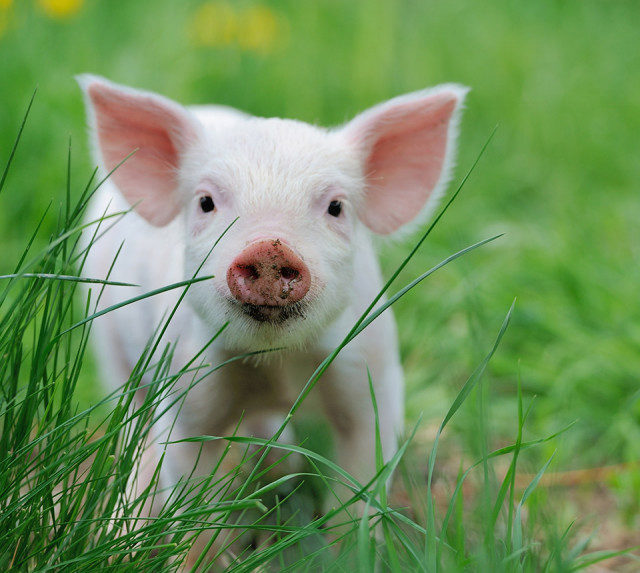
{"x": 349, "y": 408}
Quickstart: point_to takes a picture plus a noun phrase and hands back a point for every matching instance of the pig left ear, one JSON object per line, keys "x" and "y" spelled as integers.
{"x": 407, "y": 147}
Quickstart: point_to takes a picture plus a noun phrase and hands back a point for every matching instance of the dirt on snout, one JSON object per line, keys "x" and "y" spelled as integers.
{"x": 272, "y": 274}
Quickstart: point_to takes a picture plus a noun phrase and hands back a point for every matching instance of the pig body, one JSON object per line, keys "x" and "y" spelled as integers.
{"x": 303, "y": 196}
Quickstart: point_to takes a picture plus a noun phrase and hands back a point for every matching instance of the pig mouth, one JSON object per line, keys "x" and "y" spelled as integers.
{"x": 273, "y": 314}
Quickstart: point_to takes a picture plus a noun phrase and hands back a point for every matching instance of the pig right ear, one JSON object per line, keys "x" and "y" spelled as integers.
{"x": 154, "y": 129}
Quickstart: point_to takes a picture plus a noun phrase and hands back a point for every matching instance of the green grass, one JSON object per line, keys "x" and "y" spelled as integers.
{"x": 559, "y": 179}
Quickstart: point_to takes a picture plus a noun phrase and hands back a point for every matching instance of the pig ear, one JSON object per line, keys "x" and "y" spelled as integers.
{"x": 155, "y": 129}
{"x": 406, "y": 146}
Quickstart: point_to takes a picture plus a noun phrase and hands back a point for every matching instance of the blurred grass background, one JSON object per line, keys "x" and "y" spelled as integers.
{"x": 560, "y": 178}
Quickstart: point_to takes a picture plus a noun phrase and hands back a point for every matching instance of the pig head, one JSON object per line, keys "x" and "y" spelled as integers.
{"x": 300, "y": 200}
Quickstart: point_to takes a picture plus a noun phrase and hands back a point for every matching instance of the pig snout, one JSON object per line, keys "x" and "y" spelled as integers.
{"x": 268, "y": 273}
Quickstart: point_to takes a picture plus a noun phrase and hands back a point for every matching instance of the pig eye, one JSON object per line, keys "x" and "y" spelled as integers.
{"x": 335, "y": 208}
{"x": 206, "y": 204}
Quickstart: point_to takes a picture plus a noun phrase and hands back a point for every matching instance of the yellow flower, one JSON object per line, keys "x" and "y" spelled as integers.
{"x": 254, "y": 28}
{"x": 262, "y": 30}
{"x": 259, "y": 30}
{"x": 214, "y": 24}
{"x": 5, "y": 14}
{"x": 61, "y": 8}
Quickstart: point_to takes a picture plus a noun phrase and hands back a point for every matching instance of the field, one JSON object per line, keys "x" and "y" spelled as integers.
{"x": 559, "y": 178}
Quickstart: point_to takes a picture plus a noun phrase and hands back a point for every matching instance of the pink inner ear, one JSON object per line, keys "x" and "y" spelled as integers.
{"x": 408, "y": 147}
{"x": 126, "y": 123}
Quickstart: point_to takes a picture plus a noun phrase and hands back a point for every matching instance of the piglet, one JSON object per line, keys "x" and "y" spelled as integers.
{"x": 295, "y": 269}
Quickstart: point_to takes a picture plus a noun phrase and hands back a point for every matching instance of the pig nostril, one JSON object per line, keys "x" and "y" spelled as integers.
{"x": 288, "y": 274}
{"x": 248, "y": 272}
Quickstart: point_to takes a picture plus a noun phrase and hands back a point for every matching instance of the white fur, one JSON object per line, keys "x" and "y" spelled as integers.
{"x": 277, "y": 178}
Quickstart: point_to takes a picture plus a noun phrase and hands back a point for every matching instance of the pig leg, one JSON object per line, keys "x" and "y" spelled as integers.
{"x": 195, "y": 419}
{"x": 347, "y": 400}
